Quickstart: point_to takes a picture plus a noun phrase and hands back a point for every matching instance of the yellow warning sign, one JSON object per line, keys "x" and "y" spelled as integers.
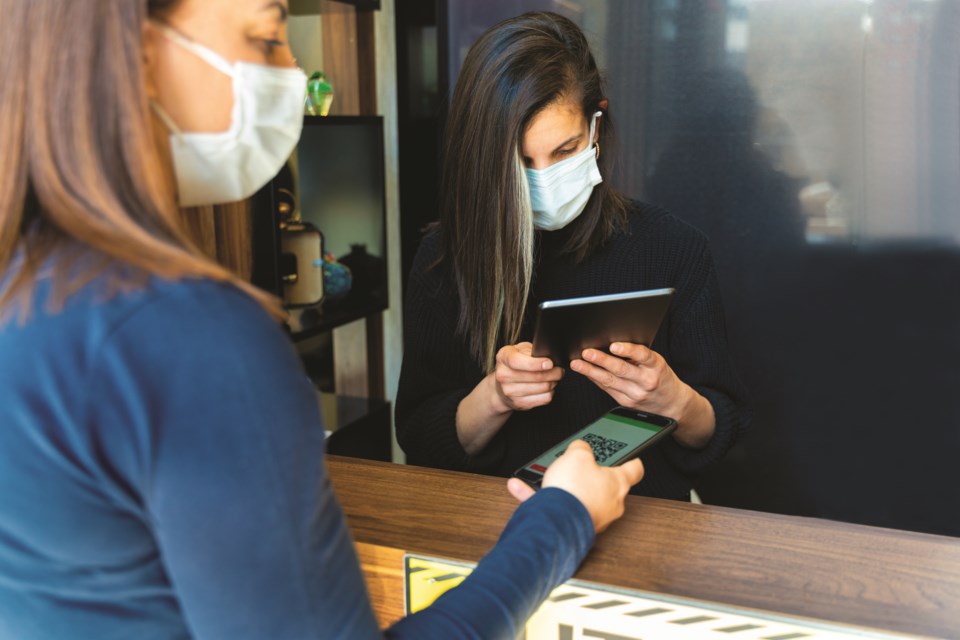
{"x": 578, "y": 610}
{"x": 428, "y": 579}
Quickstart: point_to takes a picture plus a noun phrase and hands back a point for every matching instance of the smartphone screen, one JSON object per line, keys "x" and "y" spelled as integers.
{"x": 615, "y": 437}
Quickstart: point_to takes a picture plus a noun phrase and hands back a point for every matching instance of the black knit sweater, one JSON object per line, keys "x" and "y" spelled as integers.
{"x": 657, "y": 251}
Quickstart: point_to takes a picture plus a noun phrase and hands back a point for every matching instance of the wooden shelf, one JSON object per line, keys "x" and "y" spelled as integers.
{"x": 314, "y": 7}
{"x": 331, "y": 315}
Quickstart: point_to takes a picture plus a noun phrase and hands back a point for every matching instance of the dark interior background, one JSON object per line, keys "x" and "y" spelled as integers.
{"x": 817, "y": 144}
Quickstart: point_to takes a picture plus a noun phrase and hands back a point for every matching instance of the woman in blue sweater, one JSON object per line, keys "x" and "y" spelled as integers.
{"x": 161, "y": 450}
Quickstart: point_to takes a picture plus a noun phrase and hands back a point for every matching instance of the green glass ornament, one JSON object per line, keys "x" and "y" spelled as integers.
{"x": 319, "y": 94}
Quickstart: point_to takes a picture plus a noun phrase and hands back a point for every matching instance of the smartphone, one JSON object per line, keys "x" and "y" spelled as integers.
{"x": 616, "y": 437}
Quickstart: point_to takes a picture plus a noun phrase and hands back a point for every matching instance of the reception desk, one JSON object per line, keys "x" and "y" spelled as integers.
{"x": 881, "y": 579}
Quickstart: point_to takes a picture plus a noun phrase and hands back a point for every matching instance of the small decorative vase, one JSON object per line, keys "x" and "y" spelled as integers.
{"x": 337, "y": 279}
{"x": 319, "y": 95}
{"x": 369, "y": 271}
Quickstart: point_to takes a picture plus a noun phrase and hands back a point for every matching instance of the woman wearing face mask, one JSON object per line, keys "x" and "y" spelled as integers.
{"x": 161, "y": 451}
{"x": 527, "y": 214}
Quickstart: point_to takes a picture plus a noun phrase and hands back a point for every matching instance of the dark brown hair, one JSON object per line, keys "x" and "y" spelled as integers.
{"x": 511, "y": 73}
{"x": 81, "y": 172}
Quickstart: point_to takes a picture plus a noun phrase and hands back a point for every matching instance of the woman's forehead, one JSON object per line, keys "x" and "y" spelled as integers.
{"x": 556, "y": 122}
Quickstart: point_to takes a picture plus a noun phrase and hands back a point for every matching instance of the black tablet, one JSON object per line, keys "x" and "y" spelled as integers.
{"x": 566, "y": 327}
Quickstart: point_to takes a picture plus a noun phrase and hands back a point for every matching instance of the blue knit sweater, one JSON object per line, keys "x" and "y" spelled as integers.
{"x": 162, "y": 476}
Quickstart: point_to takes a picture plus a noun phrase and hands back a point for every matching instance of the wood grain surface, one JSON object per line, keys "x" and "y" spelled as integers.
{"x": 881, "y": 578}
{"x": 383, "y": 572}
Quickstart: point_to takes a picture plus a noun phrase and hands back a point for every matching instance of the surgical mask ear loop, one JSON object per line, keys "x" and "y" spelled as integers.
{"x": 207, "y": 55}
{"x": 203, "y": 52}
{"x": 165, "y": 118}
{"x": 596, "y": 119}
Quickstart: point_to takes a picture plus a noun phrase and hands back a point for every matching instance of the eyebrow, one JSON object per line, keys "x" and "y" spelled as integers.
{"x": 567, "y": 141}
{"x": 276, "y": 4}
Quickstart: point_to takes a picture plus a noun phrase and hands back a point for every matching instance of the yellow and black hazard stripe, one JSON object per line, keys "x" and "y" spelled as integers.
{"x": 578, "y": 610}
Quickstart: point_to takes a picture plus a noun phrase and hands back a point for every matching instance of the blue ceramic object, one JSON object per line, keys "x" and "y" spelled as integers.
{"x": 337, "y": 279}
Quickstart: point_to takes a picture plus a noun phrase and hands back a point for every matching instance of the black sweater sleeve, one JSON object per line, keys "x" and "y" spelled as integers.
{"x": 700, "y": 356}
{"x": 437, "y": 373}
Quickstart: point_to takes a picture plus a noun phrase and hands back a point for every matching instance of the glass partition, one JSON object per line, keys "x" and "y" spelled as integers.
{"x": 817, "y": 144}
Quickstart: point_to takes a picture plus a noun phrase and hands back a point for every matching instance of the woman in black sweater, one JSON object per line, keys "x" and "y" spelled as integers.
{"x": 526, "y": 217}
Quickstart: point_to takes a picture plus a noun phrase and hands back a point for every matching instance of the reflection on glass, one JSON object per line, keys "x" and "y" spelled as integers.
{"x": 817, "y": 144}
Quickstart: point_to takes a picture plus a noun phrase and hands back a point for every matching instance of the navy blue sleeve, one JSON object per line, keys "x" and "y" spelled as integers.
{"x": 540, "y": 548}
{"x": 227, "y": 462}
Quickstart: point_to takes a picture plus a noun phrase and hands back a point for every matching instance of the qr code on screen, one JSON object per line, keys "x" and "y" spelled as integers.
{"x": 602, "y": 447}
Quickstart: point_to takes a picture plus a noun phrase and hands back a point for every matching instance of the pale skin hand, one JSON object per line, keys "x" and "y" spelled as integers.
{"x": 600, "y": 489}
{"x": 520, "y": 382}
{"x": 638, "y": 377}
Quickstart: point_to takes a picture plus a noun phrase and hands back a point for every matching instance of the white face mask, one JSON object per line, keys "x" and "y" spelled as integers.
{"x": 559, "y": 193}
{"x": 265, "y": 126}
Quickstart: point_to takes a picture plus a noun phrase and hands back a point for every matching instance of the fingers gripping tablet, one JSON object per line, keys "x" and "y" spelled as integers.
{"x": 566, "y": 327}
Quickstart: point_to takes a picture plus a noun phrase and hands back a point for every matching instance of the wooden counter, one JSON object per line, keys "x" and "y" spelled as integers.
{"x": 880, "y": 578}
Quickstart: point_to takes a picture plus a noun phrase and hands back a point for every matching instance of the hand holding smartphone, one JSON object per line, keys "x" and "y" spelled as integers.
{"x": 616, "y": 437}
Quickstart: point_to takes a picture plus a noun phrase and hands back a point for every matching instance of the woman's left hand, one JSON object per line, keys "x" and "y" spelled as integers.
{"x": 638, "y": 377}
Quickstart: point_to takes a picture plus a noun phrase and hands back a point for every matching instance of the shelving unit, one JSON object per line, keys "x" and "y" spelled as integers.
{"x": 341, "y": 192}
{"x": 336, "y": 316}
{"x": 339, "y": 173}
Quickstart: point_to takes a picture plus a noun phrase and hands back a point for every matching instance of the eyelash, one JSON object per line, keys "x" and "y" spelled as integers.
{"x": 270, "y": 44}
{"x": 566, "y": 152}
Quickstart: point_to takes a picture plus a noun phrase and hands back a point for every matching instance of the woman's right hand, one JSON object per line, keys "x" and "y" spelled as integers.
{"x": 523, "y": 381}
{"x": 600, "y": 489}
{"x": 519, "y": 382}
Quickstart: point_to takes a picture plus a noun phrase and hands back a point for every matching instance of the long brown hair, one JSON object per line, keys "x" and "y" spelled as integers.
{"x": 80, "y": 170}
{"x": 511, "y": 73}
